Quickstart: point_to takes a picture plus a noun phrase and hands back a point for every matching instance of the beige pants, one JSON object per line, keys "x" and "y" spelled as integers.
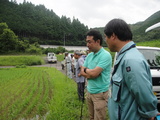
{"x": 97, "y": 105}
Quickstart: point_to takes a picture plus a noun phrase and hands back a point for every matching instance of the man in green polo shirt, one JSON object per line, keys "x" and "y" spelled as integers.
{"x": 97, "y": 69}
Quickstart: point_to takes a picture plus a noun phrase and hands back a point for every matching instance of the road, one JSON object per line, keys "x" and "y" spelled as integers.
{"x": 55, "y": 65}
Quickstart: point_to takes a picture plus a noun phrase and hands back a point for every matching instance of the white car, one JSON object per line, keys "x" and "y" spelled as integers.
{"x": 152, "y": 55}
{"x": 51, "y": 58}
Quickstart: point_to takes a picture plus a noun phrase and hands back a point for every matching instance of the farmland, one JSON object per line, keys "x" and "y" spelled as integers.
{"x": 13, "y": 60}
{"x": 43, "y": 93}
{"x": 38, "y": 93}
{"x": 154, "y": 43}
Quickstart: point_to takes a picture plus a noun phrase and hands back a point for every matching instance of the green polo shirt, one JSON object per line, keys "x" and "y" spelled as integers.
{"x": 103, "y": 60}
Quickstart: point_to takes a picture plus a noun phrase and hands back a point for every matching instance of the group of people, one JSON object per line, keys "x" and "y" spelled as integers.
{"x": 127, "y": 90}
{"x": 74, "y": 63}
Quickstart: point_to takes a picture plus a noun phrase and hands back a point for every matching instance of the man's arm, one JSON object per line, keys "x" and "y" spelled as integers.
{"x": 139, "y": 85}
{"x": 91, "y": 73}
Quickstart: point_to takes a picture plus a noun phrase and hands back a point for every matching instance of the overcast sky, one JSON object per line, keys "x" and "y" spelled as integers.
{"x": 96, "y": 13}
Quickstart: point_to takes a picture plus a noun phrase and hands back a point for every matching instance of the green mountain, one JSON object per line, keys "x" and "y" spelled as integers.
{"x": 139, "y": 28}
{"x": 36, "y": 23}
{"x": 39, "y": 24}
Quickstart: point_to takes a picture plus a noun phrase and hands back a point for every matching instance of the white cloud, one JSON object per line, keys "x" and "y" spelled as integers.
{"x": 97, "y": 13}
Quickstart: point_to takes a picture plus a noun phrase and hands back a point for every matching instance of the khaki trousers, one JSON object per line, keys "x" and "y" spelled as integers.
{"x": 97, "y": 105}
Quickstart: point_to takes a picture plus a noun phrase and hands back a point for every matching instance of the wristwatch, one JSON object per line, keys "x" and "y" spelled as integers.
{"x": 85, "y": 69}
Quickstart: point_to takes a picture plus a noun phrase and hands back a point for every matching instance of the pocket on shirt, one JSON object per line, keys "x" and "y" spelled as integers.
{"x": 116, "y": 87}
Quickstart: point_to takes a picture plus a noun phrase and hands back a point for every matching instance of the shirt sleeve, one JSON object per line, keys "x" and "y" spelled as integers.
{"x": 104, "y": 61}
{"x": 86, "y": 61}
{"x": 139, "y": 82}
{"x": 81, "y": 61}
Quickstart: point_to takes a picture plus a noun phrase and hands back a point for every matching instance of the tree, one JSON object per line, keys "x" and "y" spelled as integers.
{"x": 34, "y": 50}
{"x": 2, "y": 27}
{"x": 23, "y": 45}
{"x": 8, "y": 39}
{"x": 36, "y": 21}
{"x": 60, "y": 50}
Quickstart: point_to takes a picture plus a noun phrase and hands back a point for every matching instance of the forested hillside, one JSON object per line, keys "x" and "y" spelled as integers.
{"x": 36, "y": 23}
{"x": 39, "y": 24}
{"x": 139, "y": 28}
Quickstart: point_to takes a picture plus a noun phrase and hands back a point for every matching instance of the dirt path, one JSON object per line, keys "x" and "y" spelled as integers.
{"x": 55, "y": 65}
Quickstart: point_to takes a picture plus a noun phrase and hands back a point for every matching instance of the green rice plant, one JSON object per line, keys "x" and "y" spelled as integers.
{"x": 21, "y": 96}
{"x": 43, "y": 92}
{"x": 65, "y": 104}
{"x": 38, "y": 93}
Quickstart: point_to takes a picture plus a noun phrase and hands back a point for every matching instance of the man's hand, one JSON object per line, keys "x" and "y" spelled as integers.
{"x": 151, "y": 118}
{"x": 79, "y": 75}
{"x": 82, "y": 72}
{"x": 91, "y": 73}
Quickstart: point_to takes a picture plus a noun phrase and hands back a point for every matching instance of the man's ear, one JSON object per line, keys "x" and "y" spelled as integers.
{"x": 98, "y": 41}
{"x": 113, "y": 36}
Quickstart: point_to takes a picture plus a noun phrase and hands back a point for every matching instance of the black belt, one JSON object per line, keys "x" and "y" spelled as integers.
{"x": 68, "y": 62}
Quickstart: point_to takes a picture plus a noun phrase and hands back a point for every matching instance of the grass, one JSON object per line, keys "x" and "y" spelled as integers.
{"x": 42, "y": 92}
{"x": 154, "y": 43}
{"x": 38, "y": 92}
{"x": 66, "y": 100}
{"x": 60, "y": 57}
{"x": 13, "y": 60}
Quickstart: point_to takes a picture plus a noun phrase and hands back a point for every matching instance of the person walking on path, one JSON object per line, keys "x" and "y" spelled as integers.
{"x": 131, "y": 96}
{"x": 97, "y": 69}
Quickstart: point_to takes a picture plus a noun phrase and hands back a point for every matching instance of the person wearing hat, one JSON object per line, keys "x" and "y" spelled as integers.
{"x": 83, "y": 53}
{"x": 79, "y": 79}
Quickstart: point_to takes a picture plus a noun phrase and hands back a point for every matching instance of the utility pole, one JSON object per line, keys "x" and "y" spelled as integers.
{"x": 64, "y": 39}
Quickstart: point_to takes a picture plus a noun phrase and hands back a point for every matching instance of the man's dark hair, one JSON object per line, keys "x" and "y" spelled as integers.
{"x": 120, "y": 28}
{"x": 66, "y": 53}
{"x": 96, "y": 35}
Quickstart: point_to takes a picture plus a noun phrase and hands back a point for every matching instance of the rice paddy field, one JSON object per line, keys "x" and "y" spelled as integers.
{"x": 38, "y": 93}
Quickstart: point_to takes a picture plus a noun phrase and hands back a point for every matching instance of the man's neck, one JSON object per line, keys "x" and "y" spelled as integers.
{"x": 97, "y": 49}
{"x": 122, "y": 44}
{"x": 79, "y": 56}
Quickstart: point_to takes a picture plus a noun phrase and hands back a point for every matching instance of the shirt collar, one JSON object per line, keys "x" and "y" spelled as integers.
{"x": 98, "y": 51}
{"x": 125, "y": 47}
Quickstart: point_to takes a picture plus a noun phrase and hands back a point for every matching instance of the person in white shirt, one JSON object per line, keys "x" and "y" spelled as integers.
{"x": 68, "y": 62}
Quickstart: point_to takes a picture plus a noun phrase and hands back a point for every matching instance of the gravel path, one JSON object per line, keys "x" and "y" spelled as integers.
{"x": 55, "y": 65}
